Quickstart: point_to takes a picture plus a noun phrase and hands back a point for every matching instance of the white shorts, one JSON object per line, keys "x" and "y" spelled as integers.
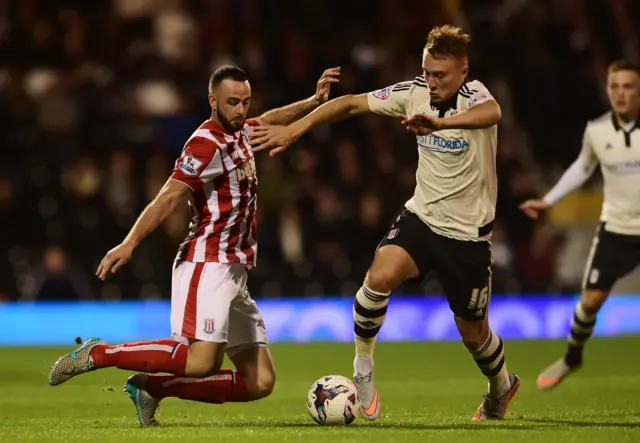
{"x": 210, "y": 302}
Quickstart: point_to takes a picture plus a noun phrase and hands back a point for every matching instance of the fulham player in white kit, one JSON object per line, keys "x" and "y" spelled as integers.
{"x": 212, "y": 313}
{"x": 446, "y": 225}
{"x": 613, "y": 142}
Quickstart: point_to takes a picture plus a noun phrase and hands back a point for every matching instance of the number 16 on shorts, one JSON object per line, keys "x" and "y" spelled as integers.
{"x": 479, "y": 299}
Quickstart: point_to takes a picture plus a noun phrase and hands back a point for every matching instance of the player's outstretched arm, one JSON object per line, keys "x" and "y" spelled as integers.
{"x": 574, "y": 177}
{"x": 278, "y": 138}
{"x": 480, "y": 116}
{"x": 165, "y": 202}
{"x": 290, "y": 113}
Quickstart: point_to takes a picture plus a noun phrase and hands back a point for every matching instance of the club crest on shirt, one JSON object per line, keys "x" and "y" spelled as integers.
{"x": 190, "y": 165}
{"x": 383, "y": 94}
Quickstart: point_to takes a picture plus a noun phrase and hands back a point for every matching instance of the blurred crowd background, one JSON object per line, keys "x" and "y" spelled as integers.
{"x": 97, "y": 98}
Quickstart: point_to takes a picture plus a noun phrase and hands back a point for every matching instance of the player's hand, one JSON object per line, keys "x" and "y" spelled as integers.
{"x": 422, "y": 124}
{"x": 114, "y": 260}
{"x": 323, "y": 87}
{"x": 534, "y": 207}
{"x": 276, "y": 138}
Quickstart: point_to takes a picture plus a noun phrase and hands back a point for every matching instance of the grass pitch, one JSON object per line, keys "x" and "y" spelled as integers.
{"x": 429, "y": 392}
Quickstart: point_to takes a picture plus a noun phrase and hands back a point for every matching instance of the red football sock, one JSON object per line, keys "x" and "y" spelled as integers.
{"x": 145, "y": 356}
{"x": 226, "y": 385}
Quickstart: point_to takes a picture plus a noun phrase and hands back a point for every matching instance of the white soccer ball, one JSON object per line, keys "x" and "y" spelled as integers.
{"x": 333, "y": 400}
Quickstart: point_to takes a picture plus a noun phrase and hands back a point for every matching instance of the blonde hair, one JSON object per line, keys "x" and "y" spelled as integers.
{"x": 447, "y": 41}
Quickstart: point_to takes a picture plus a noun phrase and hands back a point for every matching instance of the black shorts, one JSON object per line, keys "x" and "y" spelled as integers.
{"x": 612, "y": 257}
{"x": 463, "y": 268}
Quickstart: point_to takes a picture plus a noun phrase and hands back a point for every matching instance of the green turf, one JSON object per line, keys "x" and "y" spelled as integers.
{"x": 429, "y": 390}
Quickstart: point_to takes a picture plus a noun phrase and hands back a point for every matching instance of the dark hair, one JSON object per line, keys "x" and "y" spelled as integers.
{"x": 447, "y": 41}
{"x": 227, "y": 72}
{"x": 624, "y": 65}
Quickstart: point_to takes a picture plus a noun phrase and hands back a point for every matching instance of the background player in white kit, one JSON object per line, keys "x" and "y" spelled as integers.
{"x": 447, "y": 224}
{"x": 613, "y": 141}
{"x": 211, "y": 310}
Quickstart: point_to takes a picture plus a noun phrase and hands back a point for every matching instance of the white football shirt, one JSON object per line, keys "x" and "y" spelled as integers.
{"x": 456, "y": 182}
{"x": 617, "y": 150}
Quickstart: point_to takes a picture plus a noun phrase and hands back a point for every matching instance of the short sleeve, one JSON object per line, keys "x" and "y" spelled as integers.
{"x": 390, "y": 101}
{"x": 199, "y": 163}
{"x": 476, "y": 93}
{"x": 587, "y": 153}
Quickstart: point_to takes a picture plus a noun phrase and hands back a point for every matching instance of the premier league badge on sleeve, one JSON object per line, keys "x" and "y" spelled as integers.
{"x": 190, "y": 165}
{"x": 383, "y": 94}
{"x": 477, "y": 98}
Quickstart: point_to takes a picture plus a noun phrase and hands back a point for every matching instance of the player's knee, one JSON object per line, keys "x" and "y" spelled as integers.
{"x": 261, "y": 386}
{"x": 473, "y": 333}
{"x": 474, "y": 337}
{"x": 264, "y": 385}
{"x": 380, "y": 281}
{"x": 472, "y": 344}
{"x": 391, "y": 266}
{"x": 592, "y": 301}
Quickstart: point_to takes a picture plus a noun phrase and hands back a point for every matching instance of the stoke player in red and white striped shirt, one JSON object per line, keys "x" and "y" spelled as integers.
{"x": 219, "y": 169}
{"x": 211, "y": 310}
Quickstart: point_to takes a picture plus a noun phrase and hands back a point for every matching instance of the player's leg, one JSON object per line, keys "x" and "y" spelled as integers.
{"x": 487, "y": 350}
{"x": 393, "y": 263}
{"x": 255, "y": 365}
{"x": 391, "y": 266}
{"x": 141, "y": 391}
{"x": 583, "y": 322}
{"x": 464, "y": 270}
{"x": 612, "y": 257}
{"x": 253, "y": 378}
{"x": 193, "y": 308}
{"x": 248, "y": 348}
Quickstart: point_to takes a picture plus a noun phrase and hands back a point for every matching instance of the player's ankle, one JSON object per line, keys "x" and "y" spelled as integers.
{"x": 362, "y": 364}
{"x": 500, "y": 384}
{"x": 96, "y": 355}
{"x": 573, "y": 361}
{"x": 573, "y": 357}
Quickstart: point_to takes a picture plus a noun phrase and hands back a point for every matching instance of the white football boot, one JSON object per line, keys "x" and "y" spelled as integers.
{"x": 74, "y": 363}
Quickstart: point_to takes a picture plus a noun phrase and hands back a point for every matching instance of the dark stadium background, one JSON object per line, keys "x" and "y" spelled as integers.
{"x": 97, "y": 98}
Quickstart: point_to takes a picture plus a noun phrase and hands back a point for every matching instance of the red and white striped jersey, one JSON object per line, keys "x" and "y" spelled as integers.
{"x": 219, "y": 168}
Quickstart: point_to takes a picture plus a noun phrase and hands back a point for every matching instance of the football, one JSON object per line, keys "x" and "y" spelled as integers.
{"x": 333, "y": 400}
